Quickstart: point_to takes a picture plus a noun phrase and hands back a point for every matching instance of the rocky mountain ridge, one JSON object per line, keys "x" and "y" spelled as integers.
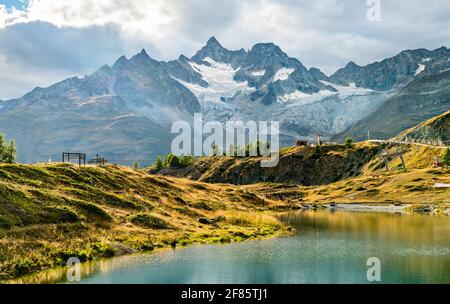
{"x": 124, "y": 111}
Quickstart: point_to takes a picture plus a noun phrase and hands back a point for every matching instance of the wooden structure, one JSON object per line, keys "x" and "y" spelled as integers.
{"x": 301, "y": 143}
{"x": 99, "y": 161}
{"x": 69, "y": 157}
{"x": 388, "y": 156}
{"x": 319, "y": 138}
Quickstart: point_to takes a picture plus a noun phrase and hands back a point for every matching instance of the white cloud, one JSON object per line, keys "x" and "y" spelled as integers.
{"x": 135, "y": 17}
{"x": 326, "y": 34}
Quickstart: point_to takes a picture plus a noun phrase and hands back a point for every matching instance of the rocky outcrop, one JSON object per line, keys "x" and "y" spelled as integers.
{"x": 435, "y": 131}
{"x": 396, "y": 71}
{"x": 301, "y": 165}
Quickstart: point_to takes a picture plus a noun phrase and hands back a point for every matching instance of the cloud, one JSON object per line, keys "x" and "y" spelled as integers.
{"x": 40, "y": 54}
{"x": 71, "y": 37}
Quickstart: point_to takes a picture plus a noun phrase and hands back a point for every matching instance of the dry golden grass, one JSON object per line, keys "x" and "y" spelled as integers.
{"x": 375, "y": 185}
{"x": 51, "y": 212}
{"x": 250, "y": 219}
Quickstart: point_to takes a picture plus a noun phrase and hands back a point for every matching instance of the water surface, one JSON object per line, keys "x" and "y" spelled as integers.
{"x": 327, "y": 247}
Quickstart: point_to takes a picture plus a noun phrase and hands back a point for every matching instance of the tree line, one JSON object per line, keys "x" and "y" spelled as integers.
{"x": 173, "y": 161}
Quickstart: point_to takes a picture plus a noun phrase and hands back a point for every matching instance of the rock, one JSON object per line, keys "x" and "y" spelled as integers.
{"x": 219, "y": 219}
{"x": 425, "y": 209}
{"x": 120, "y": 249}
{"x": 204, "y": 220}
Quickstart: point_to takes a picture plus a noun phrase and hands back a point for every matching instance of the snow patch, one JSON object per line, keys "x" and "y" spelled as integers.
{"x": 259, "y": 73}
{"x": 220, "y": 77}
{"x": 283, "y": 74}
{"x": 420, "y": 69}
{"x": 350, "y": 90}
{"x": 299, "y": 98}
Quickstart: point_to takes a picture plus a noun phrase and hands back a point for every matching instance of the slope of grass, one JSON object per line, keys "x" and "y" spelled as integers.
{"x": 49, "y": 213}
{"x": 376, "y": 185}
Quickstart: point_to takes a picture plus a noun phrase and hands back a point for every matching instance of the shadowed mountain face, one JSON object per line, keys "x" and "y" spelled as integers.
{"x": 124, "y": 112}
{"x": 420, "y": 100}
{"x": 394, "y": 72}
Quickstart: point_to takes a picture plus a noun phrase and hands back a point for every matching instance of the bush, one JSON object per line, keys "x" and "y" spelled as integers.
{"x": 149, "y": 221}
{"x": 103, "y": 250}
{"x": 7, "y": 151}
{"x": 159, "y": 163}
{"x": 186, "y": 161}
{"x": 349, "y": 143}
{"x": 171, "y": 161}
{"x": 446, "y": 158}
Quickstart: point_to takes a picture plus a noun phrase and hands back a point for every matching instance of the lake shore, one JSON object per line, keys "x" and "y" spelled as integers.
{"x": 50, "y": 213}
{"x": 336, "y": 216}
{"x": 53, "y": 212}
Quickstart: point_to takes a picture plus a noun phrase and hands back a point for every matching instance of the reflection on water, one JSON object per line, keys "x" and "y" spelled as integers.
{"x": 328, "y": 247}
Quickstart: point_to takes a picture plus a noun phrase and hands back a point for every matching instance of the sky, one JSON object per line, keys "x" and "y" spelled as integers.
{"x": 46, "y": 41}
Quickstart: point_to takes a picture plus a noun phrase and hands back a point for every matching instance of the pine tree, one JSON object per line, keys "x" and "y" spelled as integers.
{"x": 7, "y": 151}
{"x": 2, "y": 147}
{"x": 159, "y": 163}
{"x": 349, "y": 143}
{"x": 446, "y": 158}
{"x": 136, "y": 165}
{"x": 11, "y": 151}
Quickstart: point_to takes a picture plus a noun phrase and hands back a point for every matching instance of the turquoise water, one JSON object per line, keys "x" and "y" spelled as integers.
{"x": 328, "y": 247}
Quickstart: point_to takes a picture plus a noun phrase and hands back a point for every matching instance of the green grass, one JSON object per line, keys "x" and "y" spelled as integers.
{"x": 149, "y": 221}
{"x": 51, "y": 212}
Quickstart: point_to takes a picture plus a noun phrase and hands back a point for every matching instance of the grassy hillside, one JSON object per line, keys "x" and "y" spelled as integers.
{"x": 376, "y": 186}
{"x": 437, "y": 129}
{"x": 307, "y": 166}
{"x": 49, "y": 213}
{"x": 342, "y": 175}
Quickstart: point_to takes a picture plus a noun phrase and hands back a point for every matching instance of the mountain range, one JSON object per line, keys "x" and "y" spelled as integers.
{"x": 124, "y": 112}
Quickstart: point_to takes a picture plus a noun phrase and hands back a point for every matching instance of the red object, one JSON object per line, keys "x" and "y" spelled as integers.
{"x": 438, "y": 165}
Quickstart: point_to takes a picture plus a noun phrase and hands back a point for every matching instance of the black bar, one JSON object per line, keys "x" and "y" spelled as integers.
{"x": 232, "y": 294}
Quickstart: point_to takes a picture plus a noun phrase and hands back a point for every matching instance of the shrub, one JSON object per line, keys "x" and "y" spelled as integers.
{"x": 171, "y": 161}
{"x": 446, "y": 158}
{"x": 349, "y": 143}
{"x": 186, "y": 161}
{"x": 159, "y": 163}
{"x": 201, "y": 205}
{"x": 103, "y": 250}
{"x": 146, "y": 245}
{"x": 149, "y": 221}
